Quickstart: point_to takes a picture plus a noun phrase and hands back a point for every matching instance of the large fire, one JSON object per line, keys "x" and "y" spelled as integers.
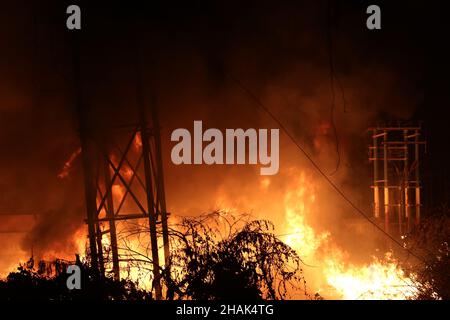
{"x": 380, "y": 279}
{"x": 328, "y": 269}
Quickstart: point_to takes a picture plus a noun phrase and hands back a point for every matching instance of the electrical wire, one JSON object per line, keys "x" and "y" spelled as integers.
{"x": 333, "y": 94}
{"x": 259, "y": 103}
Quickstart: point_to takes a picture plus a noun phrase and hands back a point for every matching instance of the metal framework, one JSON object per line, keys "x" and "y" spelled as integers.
{"x": 395, "y": 154}
{"x": 129, "y": 158}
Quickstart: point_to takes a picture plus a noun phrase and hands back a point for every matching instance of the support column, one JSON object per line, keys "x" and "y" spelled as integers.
{"x": 86, "y": 154}
{"x": 149, "y": 187}
{"x": 417, "y": 177}
{"x": 112, "y": 224}
{"x": 160, "y": 179}
{"x": 386, "y": 182}
{"x": 406, "y": 184}
{"x": 376, "y": 194}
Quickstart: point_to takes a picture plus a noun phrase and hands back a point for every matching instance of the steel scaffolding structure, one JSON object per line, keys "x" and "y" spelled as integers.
{"x": 395, "y": 154}
{"x": 127, "y": 157}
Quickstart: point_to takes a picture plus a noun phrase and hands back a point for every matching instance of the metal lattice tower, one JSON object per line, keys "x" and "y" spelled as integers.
{"x": 395, "y": 153}
{"x": 129, "y": 156}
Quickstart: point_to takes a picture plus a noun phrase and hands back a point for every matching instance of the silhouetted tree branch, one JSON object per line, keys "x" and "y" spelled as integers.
{"x": 221, "y": 256}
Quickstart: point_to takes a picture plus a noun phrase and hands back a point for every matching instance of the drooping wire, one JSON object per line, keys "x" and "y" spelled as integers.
{"x": 333, "y": 94}
{"x": 259, "y": 103}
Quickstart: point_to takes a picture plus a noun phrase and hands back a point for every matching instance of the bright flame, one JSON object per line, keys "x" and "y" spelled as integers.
{"x": 300, "y": 235}
{"x": 332, "y": 274}
{"x": 381, "y": 279}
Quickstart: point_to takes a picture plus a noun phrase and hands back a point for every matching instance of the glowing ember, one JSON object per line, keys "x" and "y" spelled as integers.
{"x": 64, "y": 173}
{"x": 137, "y": 142}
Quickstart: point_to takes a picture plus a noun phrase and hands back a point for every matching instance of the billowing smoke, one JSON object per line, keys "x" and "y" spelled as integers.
{"x": 280, "y": 53}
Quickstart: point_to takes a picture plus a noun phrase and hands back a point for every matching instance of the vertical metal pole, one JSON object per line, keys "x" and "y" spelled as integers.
{"x": 148, "y": 182}
{"x": 376, "y": 194}
{"x": 87, "y": 151}
{"x": 160, "y": 184}
{"x": 406, "y": 183}
{"x": 386, "y": 183}
{"x": 400, "y": 211}
{"x": 417, "y": 177}
{"x": 98, "y": 237}
{"x": 151, "y": 210}
{"x": 112, "y": 223}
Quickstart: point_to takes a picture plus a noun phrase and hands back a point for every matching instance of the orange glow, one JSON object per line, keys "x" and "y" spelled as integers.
{"x": 379, "y": 279}
{"x": 137, "y": 142}
{"x": 64, "y": 173}
{"x": 328, "y": 268}
{"x": 297, "y": 202}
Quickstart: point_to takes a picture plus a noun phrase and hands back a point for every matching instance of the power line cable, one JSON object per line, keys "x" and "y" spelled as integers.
{"x": 333, "y": 94}
{"x": 316, "y": 166}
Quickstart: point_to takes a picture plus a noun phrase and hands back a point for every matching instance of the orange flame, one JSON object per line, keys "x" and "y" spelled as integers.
{"x": 380, "y": 279}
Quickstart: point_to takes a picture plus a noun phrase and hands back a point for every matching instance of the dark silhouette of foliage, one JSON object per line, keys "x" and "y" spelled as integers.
{"x": 29, "y": 284}
{"x": 432, "y": 239}
{"x": 218, "y": 256}
{"x": 214, "y": 256}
